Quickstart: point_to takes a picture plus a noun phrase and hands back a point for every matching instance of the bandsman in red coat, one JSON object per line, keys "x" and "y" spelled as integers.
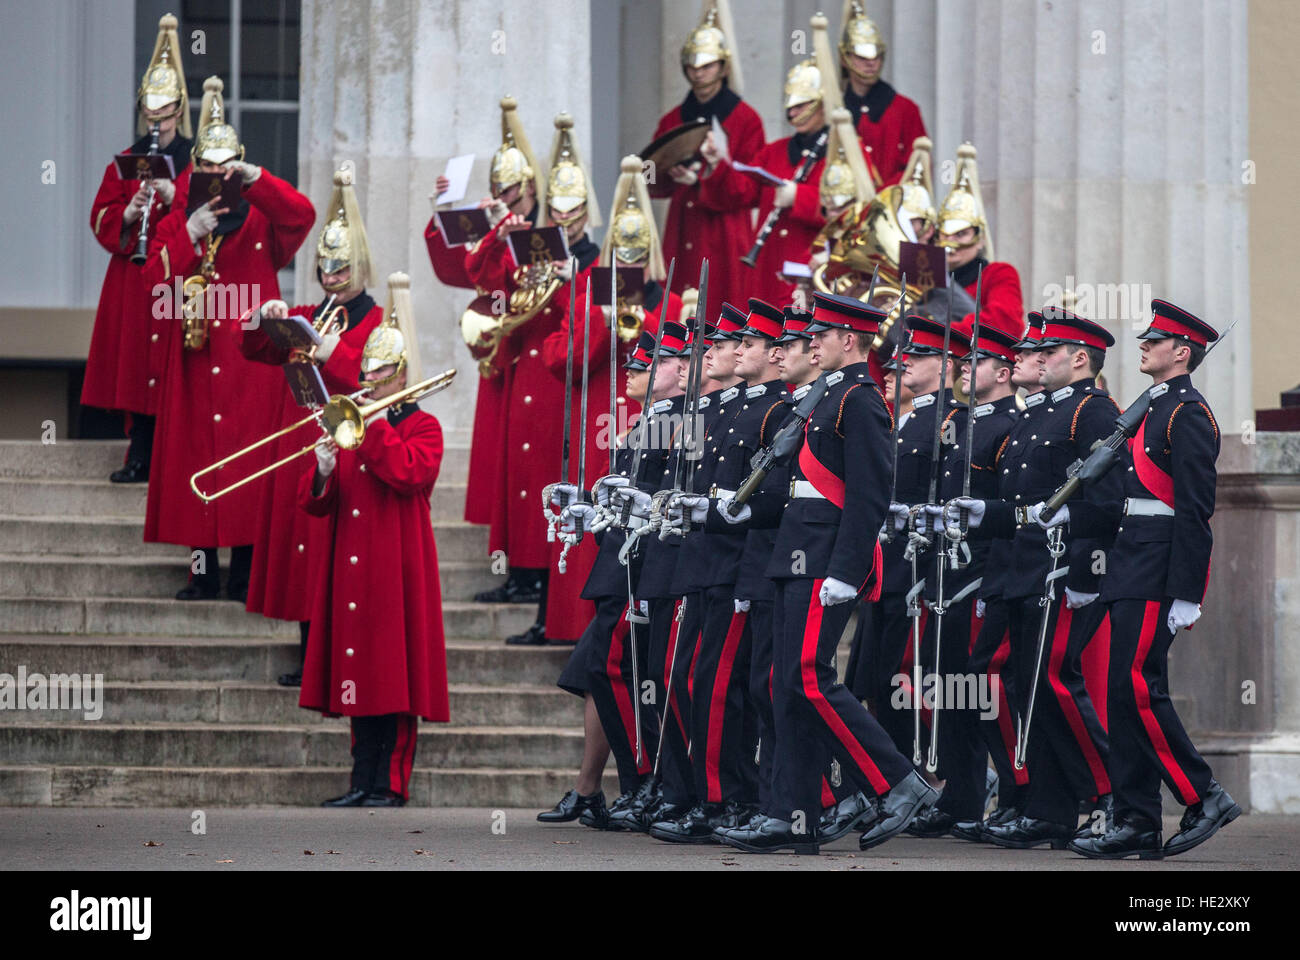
{"x": 697, "y": 226}
{"x": 214, "y": 400}
{"x": 285, "y": 553}
{"x": 125, "y": 365}
{"x": 964, "y": 231}
{"x": 887, "y": 121}
{"x": 377, "y": 652}
{"x": 918, "y": 191}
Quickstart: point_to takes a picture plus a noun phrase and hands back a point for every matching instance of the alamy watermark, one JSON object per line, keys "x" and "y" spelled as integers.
{"x": 54, "y": 691}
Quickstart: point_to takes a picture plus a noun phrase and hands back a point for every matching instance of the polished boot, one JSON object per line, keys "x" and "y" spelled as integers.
{"x": 1202, "y": 820}
{"x": 931, "y": 822}
{"x": 976, "y": 831}
{"x": 383, "y": 798}
{"x": 692, "y": 828}
{"x": 666, "y": 812}
{"x": 897, "y": 809}
{"x": 769, "y": 836}
{"x": 1023, "y": 833}
{"x": 1138, "y": 839}
{"x": 521, "y": 586}
{"x": 534, "y": 636}
{"x": 570, "y": 807}
{"x": 1101, "y": 817}
{"x": 856, "y": 812}
{"x": 353, "y": 798}
{"x": 133, "y": 471}
{"x": 634, "y": 815}
{"x": 596, "y": 815}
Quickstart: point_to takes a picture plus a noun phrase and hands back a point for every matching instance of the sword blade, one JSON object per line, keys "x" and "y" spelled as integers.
{"x": 568, "y": 380}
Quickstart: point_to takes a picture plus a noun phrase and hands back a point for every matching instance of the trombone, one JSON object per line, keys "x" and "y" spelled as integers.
{"x": 341, "y": 420}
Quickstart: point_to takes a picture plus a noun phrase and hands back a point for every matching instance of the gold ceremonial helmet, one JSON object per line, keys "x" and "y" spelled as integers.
{"x": 964, "y": 206}
{"x": 845, "y": 178}
{"x": 918, "y": 184}
{"x": 217, "y": 140}
{"x": 164, "y": 78}
{"x": 803, "y": 85}
{"x": 712, "y": 41}
{"x": 342, "y": 242}
{"x": 859, "y": 35}
{"x": 393, "y": 341}
{"x": 568, "y": 185}
{"x": 632, "y": 237}
{"x": 513, "y": 161}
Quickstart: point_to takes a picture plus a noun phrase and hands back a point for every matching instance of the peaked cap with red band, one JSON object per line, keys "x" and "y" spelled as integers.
{"x": 795, "y": 326}
{"x": 730, "y": 322}
{"x": 1169, "y": 321}
{"x": 640, "y": 359}
{"x": 993, "y": 342}
{"x": 765, "y": 320}
{"x": 831, "y": 311}
{"x": 1032, "y": 339}
{"x": 1062, "y": 326}
{"x": 674, "y": 339}
{"x": 927, "y": 337}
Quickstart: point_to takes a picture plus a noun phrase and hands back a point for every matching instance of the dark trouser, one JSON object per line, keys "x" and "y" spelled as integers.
{"x": 760, "y": 692}
{"x": 241, "y": 563}
{"x": 1147, "y": 740}
{"x": 141, "y": 434}
{"x": 1068, "y": 747}
{"x": 722, "y": 761}
{"x": 814, "y": 715}
{"x": 859, "y": 673}
{"x": 991, "y": 657}
{"x": 609, "y": 680}
{"x": 304, "y": 630}
{"x": 961, "y": 754}
{"x": 673, "y": 704}
{"x": 383, "y": 752}
{"x": 889, "y": 650}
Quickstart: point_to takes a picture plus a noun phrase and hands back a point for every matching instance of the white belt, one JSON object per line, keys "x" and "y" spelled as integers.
{"x": 802, "y": 488}
{"x": 1141, "y": 507}
{"x": 717, "y": 493}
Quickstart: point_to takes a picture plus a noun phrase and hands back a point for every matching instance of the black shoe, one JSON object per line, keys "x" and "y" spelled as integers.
{"x": 972, "y": 830}
{"x": 238, "y": 594}
{"x": 134, "y": 471}
{"x": 383, "y": 798}
{"x": 1101, "y": 818}
{"x": 1202, "y": 820}
{"x": 353, "y": 798}
{"x": 290, "y": 679}
{"x": 897, "y": 809}
{"x": 596, "y": 815}
{"x": 1002, "y": 815}
{"x": 692, "y": 828}
{"x": 570, "y": 807}
{"x": 666, "y": 812}
{"x": 770, "y": 836}
{"x": 756, "y": 819}
{"x": 534, "y": 636}
{"x": 633, "y": 815}
{"x": 1120, "y": 841}
{"x": 513, "y": 590}
{"x": 1023, "y": 833}
{"x": 199, "y": 590}
{"x": 931, "y": 822}
{"x": 852, "y": 813}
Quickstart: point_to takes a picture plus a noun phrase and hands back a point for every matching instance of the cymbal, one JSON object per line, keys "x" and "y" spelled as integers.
{"x": 678, "y": 145}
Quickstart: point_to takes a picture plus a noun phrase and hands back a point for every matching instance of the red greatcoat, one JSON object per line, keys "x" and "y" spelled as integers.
{"x": 376, "y": 643}
{"x": 720, "y": 228}
{"x": 286, "y": 552}
{"x": 128, "y": 347}
{"x": 214, "y": 401}
{"x": 567, "y": 614}
{"x": 485, "y": 448}
{"x": 888, "y": 140}
{"x": 528, "y": 431}
{"x": 1001, "y": 304}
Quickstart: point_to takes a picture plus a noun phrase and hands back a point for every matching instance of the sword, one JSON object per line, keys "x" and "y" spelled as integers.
{"x": 613, "y": 358}
{"x": 576, "y": 536}
{"x": 553, "y": 520}
{"x": 694, "y": 379}
{"x": 1056, "y": 547}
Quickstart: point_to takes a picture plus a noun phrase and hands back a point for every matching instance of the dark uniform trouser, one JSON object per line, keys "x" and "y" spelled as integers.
{"x": 889, "y": 649}
{"x": 962, "y": 757}
{"x": 1067, "y": 745}
{"x": 991, "y": 657}
{"x": 815, "y": 716}
{"x": 672, "y": 699}
{"x": 383, "y": 752}
{"x": 1147, "y": 740}
{"x": 760, "y": 692}
{"x": 609, "y": 680}
{"x": 723, "y": 763}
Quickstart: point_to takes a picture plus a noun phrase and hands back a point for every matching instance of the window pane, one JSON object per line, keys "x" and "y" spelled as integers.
{"x": 269, "y": 50}
{"x": 271, "y": 140}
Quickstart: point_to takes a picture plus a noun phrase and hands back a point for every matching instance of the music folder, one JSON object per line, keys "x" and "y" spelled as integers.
{"x": 291, "y": 333}
{"x": 306, "y": 383}
{"x": 538, "y": 246}
{"x": 463, "y": 226}
{"x": 205, "y": 186}
{"x": 630, "y": 280}
{"x": 144, "y": 166}
{"x": 925, "y": 264}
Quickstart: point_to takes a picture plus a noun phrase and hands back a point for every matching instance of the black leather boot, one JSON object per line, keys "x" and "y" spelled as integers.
{"x": 1023, "y": 833}
{"x": 856, "y": 812}
{"x": 1122, "y": 840}
{"x": 1202, "y": 820}
{"x": 771, "y": 836}
{"x": 897, "y": 809}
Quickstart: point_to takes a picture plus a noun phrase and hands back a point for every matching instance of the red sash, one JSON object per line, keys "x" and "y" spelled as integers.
{"x": 1151, "y": 476}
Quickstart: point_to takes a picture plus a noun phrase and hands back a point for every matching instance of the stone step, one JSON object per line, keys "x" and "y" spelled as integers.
{"x": 194, "y": 787}
{"x": 97, "y": 498}
{"x": 251, "y": 660}
{"x": 270, "y": 745}
{"x": 122, "y": 537}
{"x": 58, "y": 575}
{"x": 217, "y": 618}
{"x": 197, "y": 701}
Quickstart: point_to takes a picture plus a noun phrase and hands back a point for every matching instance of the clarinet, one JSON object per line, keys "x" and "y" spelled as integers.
{"x": 810, "y": 158}
{"x": 142, "y": 243}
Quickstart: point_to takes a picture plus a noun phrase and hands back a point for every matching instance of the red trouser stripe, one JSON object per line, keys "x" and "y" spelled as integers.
{"x": 718, "y": 705}
{"x": 828, "y": 795}
{"x": 1006, "y": 725}
{"x": 1142, "y": 695}
{"x": 1096, "y": 667}
{"x": 614, "y": 668}
{"x": 1060, "y": 637}
{"x": 668, "y": 672}
{"x": 811, "y": 690}
{"x": 402, "y": 758}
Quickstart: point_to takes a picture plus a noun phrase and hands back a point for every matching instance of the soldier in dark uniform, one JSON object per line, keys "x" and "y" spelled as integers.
{"x": 826, "y": 556}
{"x": 1067, "y": 753}
{"x": 1158, "y": 570}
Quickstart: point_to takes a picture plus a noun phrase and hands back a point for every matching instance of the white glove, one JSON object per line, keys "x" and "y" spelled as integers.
{"x": 683, "y": 175}
{"x": 640, "y": 501}
{"x": 836, "y": 591}
{"x": 248, "y": 172}
{"x": 326, "y": 346}
{"x": 899, "y": 512}
{"x": 694, "y": 508}
{"x": 585, "y": 511}
{"x": 563, "y": 493}
{"x": 930, "y": 518}
{"x": 1062, "y": 515}
{"x": 496, "y": 212}
{"x": 979, "y": 608}
{"x": 275, "y": 309}
{"x": 785, "y": 195}
{"x": 974, "y": 511}
{"x": 565, "y": 270}
{"x": 1183, "y": 613}
{"x": 165, "y": 190}
{"x": 326, "y": 459}
{"x": 201, "y": 223}
{"x": 742, "y": 606}
{"x": 607, "y": 485}
{"x": 135, "y": 209}
{"x": 1074, "y": 599}
{"x": 741, "y": 516}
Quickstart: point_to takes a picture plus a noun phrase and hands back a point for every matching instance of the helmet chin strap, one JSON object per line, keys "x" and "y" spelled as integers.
{"x": 806, "y": 114}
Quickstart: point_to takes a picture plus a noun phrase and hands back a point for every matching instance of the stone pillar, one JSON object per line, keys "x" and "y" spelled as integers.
{"x": 399, "y": 86}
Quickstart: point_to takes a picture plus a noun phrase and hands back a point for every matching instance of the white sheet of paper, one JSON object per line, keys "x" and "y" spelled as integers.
{"x": 792, "y": 269}
{"x": 720, "y": 140}
{"x": 457, "y": 172}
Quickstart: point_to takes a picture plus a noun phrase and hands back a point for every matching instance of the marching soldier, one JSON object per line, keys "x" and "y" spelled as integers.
{"x": 377, "y": 653}
{"x": 128, "y": 347}
{"x": 213, "y": 399}
{"x": 964, "y": 231}
{"x": 694, "y": 227}
{"x": 286, "y": 550}
{"x": 887, "y": 121}
{"x": 1156, "y": 576}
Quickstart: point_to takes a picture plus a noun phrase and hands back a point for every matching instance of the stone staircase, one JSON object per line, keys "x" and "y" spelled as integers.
{"x": 191, "y": 711}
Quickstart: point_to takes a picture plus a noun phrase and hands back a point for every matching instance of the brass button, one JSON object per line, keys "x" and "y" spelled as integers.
{"x": 356, "y": 512}
{"x": 349, "y": 651}
{"x": 689, "y": 245}
{"x": 216, "y": 370}
{"x": 152, "y": 381}
{"x": 689, "y": 204}
{"x": 784, "y": 232}
{"x": 352, "y": 560}
{"x": 216, "y": 418}
{"x": 525, "y": 448}
{"x": 363, "y": 468}
{"x": 153, "y": 338}
{"x": 216, "y": 323}
{"x": 524, "y": 493}
{"x": 532, "y": 353}
{"x": 528, "y": 399}
{"x": 352, "y": 606}
{"x": 258, "y": 245}
{"x": 302, "y": 547}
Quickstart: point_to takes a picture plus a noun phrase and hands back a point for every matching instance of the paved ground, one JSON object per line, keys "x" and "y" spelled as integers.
{"x": 463, "y": 839}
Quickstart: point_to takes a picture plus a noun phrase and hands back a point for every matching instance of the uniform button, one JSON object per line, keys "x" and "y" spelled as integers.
{"x": 1015, "y": 443}
{"x": 302, "y": 547}
{"x": 1047, "y": 443}
{"x": 352, "y": 560}
{"x": 258, "y": 245}
{"x": 532, "y": 353}
{"x": 1148, "y": 449}
{"x": 523, "y": 494}
{"x": 528, "y": 399}
{"x": 352, "y": 605}
{"x": 689, "y": 245}
{"x": 216, "y": 323}
{"x": 1130, "y": 469}
{"x": 153, "y": 338}
{"x": 356, "y": 512}
{"x": 1034, "y": 437}
{"x": 216, "y": 418}
{"x": 349, "y": 651}
{"x": 216, "y": 276}
{"x": 1023, "y": 465}
{"x": 152, "y": 381}
{"x": 690, "y": 203}
{"x": 525, "y": 448}
{"x": 215, "y": 371}
{"x": 620, "y": 400}
{"x": 1008, "y": 469}
{"x": 784, "y": 232}
{"x": 1017, "y": 496}
{"x": 1049, "y": 409}
{"x": 731, "y": 430}
{"x": 720, "y": 459}
{"x": 363, "y": 468}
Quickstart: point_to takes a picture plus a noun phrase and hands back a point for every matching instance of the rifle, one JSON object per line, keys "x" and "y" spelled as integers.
{"x": 782, "y": 447}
